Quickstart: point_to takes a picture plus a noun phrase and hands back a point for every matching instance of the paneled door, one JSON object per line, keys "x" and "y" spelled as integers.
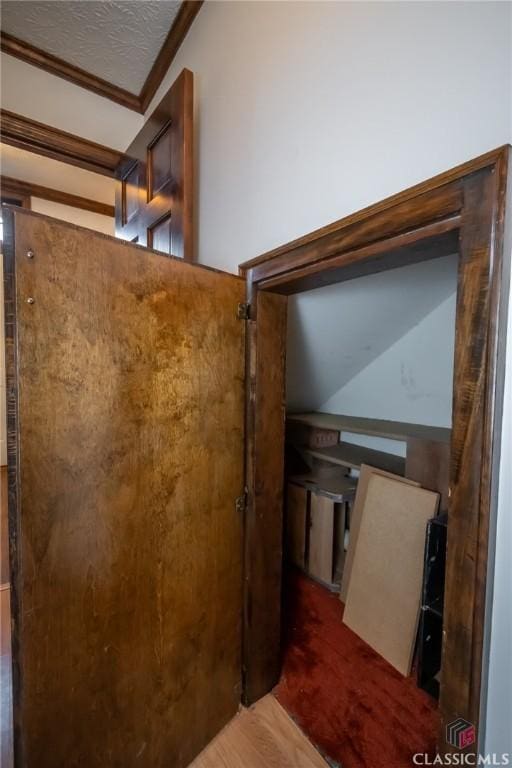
{"x": 125, "y": 373}
{"x": 155, "y": 177}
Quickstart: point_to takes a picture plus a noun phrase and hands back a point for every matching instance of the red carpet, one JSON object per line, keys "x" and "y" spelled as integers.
{"x": 354, "y": 706}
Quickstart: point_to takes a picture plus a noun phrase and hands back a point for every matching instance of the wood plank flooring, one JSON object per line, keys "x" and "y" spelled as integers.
{"x": 263, "y": 736}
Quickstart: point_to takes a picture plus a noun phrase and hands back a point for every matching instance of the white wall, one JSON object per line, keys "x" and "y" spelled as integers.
{"x": 498, "y": 737}
{"x": 309, "y": 111}
{"x": 49, "y": 99}
{"x": 338, "y": 332}
{"x": 78, "y": 216}
{"x": 411, "y": 381}
{"x": 46, "y": 172}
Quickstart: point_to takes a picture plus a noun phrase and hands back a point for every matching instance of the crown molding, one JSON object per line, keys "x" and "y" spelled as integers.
{"x": 26, "y": 189}
{"x": 55, "y": 66}
{"x": 28, "y": 134}
{"x": 22, "y": 50}
{"x": 179, "y": 29}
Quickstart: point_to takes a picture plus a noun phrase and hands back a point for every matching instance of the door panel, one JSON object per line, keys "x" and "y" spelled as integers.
{"x": 126, "y": 457}
{"x": 265, "y": 474}
{"x": 154, "y": 192}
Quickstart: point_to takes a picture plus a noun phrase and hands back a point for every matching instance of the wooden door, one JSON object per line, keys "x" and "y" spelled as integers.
{"x": 125, "y": 423}
{"x": 154, "y": 190}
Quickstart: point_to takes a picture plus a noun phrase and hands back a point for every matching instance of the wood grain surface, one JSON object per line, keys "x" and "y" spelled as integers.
{"x": 355, "y": 518}
{"x": 353, "y": 456}
{"x": 394, "y": 430}
{"x": 263, "y": 736}
{"x": 127, "y": 437}
{"x": 428, "y": 462}
{"x": 265, "y": 479}
{"x": 383, "y": 600}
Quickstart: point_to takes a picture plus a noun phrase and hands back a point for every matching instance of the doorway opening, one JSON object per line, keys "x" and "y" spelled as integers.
{"x": 462, "y": 211}
{"x": 369, "y": 382}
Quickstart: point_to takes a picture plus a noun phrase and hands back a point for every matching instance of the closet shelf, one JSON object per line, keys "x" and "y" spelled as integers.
{"x": 395, "y": 430}
{"x": 352, "y": 456}
{"x": 338, "y": 489}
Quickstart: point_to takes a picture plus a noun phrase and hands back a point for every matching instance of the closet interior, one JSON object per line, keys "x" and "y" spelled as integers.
{"x": 369, "y": 386}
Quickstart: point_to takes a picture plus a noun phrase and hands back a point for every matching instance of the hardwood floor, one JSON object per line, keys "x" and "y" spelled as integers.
{"x": 263, "y": 736}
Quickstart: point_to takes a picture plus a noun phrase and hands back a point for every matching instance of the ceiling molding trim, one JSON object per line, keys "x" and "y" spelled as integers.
{"x": 181, "y": 25}
{"x": 55, "y": 66}
{"x": 189, "y": 9}
{"x": 22, "y": 132}
{"x": 24, "y": 189}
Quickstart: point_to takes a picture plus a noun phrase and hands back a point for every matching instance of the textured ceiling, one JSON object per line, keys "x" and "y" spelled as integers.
{"x": 118, "y": 41}
{"x": 336, "y": 331}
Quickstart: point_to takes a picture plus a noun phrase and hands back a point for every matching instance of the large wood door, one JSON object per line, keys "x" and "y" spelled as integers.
{"x": 155, "y": 177}
{"x": 126, "y": 439}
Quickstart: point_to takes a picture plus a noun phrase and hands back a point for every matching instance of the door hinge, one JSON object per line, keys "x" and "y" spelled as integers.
{"x": 241, "y": 503}
{"x": 243, "y": 311}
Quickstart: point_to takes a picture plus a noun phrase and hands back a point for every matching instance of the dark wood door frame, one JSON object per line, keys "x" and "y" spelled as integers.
{"x": 463, "y": 210}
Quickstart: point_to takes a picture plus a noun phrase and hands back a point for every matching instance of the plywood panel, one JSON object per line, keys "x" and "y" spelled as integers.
{"x": 296, "y": 512}
{"x": 355, "y": 518}
{"x": 383, "y": 598}
{"x": 129, "y": 425}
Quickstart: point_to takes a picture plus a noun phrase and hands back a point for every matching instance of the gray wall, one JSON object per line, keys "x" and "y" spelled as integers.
{"x": 410, "y": 381}
{"x": 380, "y": 346}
